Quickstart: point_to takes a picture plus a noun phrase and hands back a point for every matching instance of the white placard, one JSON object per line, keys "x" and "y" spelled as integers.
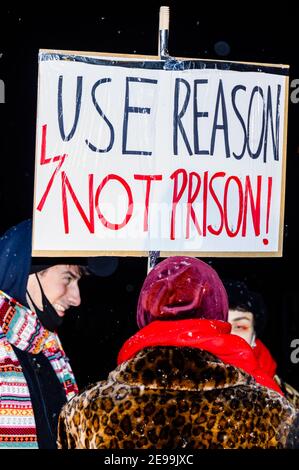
{"x": 178, "y": 156}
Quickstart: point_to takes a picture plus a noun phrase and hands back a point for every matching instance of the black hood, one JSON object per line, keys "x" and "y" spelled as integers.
{"x": 15, "y": 260}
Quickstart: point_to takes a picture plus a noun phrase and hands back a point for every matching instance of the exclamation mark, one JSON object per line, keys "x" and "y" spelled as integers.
{"x": 265, "y": 240}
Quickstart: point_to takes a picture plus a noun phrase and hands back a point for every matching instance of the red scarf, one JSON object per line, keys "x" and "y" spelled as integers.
{"x": 210, "y": 335}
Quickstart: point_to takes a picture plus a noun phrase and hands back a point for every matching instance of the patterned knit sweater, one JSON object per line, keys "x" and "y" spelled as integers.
{"x": 20, "y": 326}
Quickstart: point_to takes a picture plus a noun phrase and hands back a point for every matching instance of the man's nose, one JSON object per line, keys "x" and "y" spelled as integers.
{"x": 74, "y": 295}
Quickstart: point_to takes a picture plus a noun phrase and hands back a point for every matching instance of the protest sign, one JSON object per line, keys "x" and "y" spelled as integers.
{"x": 182, "y": 156}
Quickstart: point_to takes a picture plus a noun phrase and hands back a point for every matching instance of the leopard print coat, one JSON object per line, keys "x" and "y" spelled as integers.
{"x": 170, "y": 397}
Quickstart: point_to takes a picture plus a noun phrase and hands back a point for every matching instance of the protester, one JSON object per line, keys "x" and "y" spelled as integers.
{"x": 248, "y": 317}
{"x": 36, "y": 379}
{"x": 183, "y": 381}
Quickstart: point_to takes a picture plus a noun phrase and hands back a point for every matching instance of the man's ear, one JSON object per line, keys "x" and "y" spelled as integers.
{"x": 41, "y": 273}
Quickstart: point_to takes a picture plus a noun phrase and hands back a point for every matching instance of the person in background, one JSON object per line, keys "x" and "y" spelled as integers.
{"x": 36, "y": 379}
{"x": 248, "y": 317}
{"x": 182, "y": 381}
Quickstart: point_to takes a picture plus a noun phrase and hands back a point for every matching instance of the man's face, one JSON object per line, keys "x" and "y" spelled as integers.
{"x": 242, "y": 324}
{"x": 60, "y": 285}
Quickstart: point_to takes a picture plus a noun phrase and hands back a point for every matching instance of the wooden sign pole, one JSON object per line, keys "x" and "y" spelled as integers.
{"x": 163, "y": 32}
{"x": 163, "y": 53}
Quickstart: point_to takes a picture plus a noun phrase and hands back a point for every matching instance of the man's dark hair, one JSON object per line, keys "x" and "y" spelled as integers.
{"x": 83, "y": 270}
{"x": 240, "y": 297}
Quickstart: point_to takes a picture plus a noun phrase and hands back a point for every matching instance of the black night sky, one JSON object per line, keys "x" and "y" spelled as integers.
{"x": 93, "y": 333}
